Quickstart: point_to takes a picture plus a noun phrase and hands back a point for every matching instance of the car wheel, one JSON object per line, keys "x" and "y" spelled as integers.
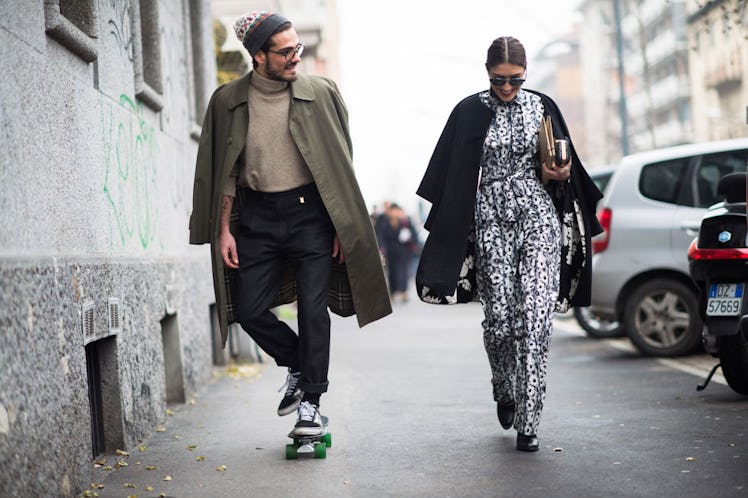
{"x": 661, "y": 317}
{"x": 597, "y": 326}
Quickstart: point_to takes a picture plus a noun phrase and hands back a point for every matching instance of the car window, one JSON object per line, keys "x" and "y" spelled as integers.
{"x": 662, "y": 181}
{"x": 601, "y": 180}
{"x": 711, "y": 169}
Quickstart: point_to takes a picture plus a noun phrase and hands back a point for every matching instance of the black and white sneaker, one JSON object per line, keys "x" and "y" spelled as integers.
{"x": 309, "y": 422}
{"x": 293, "y": 395}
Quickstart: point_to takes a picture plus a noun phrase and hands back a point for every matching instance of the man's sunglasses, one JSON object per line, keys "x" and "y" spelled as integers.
{"x": 501, "y": 81}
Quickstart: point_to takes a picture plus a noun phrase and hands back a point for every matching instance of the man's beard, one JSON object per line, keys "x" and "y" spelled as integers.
{"x": 277, "y": 75}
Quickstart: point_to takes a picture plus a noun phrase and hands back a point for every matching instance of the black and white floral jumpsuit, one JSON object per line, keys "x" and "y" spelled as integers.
{"x": 518, "y": 245}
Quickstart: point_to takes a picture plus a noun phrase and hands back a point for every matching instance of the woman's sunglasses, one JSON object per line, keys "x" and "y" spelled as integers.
{"x": 501, "y": 81}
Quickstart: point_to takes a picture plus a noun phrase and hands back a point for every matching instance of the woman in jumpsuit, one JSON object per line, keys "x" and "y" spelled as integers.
{"x": 517, "y": 246}
{"x": 516, "y": 233}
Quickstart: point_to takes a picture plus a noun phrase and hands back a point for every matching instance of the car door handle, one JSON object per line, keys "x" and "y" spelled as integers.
{"x": 690, "y": 227}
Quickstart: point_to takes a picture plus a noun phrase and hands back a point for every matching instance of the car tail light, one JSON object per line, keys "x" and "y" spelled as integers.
{"x": 600, "y": 241}
{"x": 708, "y": 254}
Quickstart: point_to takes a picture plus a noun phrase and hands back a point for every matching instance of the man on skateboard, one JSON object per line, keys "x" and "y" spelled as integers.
{"x": 276, "y": 197}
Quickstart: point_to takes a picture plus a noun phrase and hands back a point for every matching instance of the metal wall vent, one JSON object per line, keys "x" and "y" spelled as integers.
{"x": 87, "y": 321}
{"x": 114, "y": 315}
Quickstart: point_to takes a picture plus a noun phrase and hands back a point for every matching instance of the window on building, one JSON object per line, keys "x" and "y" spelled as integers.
{"x": 147, "y": 55}
{"x": 74, "y": 24}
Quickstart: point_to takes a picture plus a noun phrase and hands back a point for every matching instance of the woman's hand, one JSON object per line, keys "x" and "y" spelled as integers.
{"x": 557, "y": 173}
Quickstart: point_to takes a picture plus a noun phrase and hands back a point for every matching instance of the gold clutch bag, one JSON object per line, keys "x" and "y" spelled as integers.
{"x": 546, "y": 142}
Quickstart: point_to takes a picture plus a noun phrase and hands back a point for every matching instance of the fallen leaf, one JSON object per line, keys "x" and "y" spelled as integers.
{"x": 177, "y": 436}
{"x": 129, "y": 485}
{"x": 100, "y": 463}
{"x": 132, "y": 496}
{"x": 690, "y": 459}
{"x": 200, "y": 458}
{"x": 141, "y": 448}
{"x": 167, "y": 478}
{"x": 121, "y": 453}
{"x": 347, "y": 483}
{"x": 192, "y": 401}
{"x": 191, "y": 446}
{"x": 107, "y": 467}
{"x": 149, "y": 488}
{"x": 169, "y": 412}
{"x": 161, "y": 429}
{"x": 221, "y": 468}
{"x": 121, "y": 463}
{"x": 151, "y": 467}
{"x": 558, "y": 449}
{"x": 95, "y": 485}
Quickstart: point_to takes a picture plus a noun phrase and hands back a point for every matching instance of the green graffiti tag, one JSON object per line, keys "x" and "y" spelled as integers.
{"x": 130, "y": 184}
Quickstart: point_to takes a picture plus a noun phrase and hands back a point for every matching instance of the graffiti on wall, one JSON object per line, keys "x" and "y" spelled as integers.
{"x": 131, "y": 167}
{"x": 120, "y": 26}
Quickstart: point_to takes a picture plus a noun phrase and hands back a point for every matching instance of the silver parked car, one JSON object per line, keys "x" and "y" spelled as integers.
{"x": 651, "y": 212}
{"x": 595, "y": 325}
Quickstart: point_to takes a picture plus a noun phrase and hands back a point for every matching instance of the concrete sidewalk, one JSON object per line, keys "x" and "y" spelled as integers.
{"x": 411, "y": 415}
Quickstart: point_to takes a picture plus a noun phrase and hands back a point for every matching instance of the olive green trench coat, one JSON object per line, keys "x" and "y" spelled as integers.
{"x": 318, "y": 122}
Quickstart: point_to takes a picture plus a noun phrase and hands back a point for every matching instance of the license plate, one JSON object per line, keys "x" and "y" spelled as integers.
{"x": 724, "y": 300}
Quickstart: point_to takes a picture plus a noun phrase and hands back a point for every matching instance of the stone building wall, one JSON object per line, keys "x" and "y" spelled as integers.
{"x": 104, "y": 307}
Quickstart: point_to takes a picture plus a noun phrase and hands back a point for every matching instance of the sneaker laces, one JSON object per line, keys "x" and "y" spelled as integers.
{"x": 292, "y": 379}
{"x": 307, "y": 411}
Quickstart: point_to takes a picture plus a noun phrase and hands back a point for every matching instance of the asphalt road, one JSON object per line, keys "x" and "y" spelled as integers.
{"x": 412, "y": 415}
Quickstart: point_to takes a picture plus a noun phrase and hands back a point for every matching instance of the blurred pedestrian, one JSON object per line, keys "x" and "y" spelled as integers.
{"x": 398, "y": 242}
{"x": 496, "y": 229}
{"x": 276, "y": 197}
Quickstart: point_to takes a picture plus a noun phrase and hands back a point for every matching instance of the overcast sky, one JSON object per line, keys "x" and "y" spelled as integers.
{"x": 406, "y": 63}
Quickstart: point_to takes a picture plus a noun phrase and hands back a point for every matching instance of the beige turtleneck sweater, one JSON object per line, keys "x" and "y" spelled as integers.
{"x": 271, "y": 161}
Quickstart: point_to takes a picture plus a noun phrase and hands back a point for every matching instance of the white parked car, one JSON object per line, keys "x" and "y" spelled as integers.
{"x": 651, "y": 212}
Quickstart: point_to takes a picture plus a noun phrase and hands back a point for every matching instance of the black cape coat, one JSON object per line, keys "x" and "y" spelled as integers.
{"x": 450, "y": 184}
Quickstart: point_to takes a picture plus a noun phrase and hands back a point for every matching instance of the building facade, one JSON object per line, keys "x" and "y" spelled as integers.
{"x": 635, "y": 59}
{"x": 105, "y": 310}
{"x": 718, "y": 59}
{"x": 656, "y": 60}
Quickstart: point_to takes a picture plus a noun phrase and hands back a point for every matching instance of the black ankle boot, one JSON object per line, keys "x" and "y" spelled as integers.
{"x": 527, "y": 443}
{"x": 505, "y": 411}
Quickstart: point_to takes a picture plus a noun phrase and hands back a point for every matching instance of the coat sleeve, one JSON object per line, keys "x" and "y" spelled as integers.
{"x": 202, "y": 194}
{"x": 436, "y": 171}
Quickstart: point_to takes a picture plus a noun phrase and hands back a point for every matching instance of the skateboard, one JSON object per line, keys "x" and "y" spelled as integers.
{"x": 309, "y": 445}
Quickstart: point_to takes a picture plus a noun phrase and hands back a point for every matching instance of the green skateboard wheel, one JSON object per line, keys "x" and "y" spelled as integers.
{"x": 326, "y": 439}
{"x": 320, "y": 450}
{"x": 291, "y": 452}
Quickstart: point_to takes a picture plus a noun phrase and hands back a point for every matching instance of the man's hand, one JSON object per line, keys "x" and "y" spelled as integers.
{"x": 558, "y": 173}
{"x": 337, "y": 250}
{"x": 228, "y": 249}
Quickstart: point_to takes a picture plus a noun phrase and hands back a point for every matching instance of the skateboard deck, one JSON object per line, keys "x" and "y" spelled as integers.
{"x": 309, "y": 445}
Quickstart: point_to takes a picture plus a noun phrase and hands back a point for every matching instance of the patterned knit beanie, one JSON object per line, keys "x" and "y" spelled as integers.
{"x": 254, "y": 28}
